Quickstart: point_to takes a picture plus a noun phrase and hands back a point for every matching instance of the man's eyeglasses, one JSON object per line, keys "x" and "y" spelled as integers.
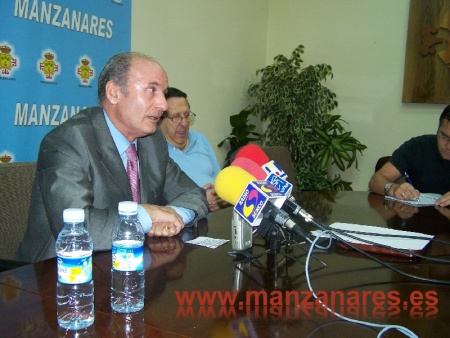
{"x": 443, "y": 137}
{"x": 177, "y": 119}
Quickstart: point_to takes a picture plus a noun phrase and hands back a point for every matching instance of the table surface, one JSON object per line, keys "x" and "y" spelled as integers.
{"x": 186, "y": 286}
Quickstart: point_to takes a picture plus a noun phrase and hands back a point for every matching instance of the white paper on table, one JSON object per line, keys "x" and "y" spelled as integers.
{"x": 425, "y": 199}
{"x": 208, "y": 242}
{"x": 414, "y": 244}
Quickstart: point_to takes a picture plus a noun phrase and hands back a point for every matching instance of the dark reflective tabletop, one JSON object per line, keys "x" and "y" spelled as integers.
{"x": 193, "y": 291}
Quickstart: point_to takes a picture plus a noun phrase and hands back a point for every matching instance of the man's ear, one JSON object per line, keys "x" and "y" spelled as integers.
{"x": 112, "y": 92}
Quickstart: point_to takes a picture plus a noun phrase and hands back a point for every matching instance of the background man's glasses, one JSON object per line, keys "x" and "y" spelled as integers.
{"x": 177, "y": 119}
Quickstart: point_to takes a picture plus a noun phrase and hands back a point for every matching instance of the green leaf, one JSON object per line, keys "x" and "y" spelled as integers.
{"x": 296, "y": 106}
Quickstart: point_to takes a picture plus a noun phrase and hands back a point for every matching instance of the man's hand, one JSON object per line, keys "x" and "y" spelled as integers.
{"x": 405, "y": 191}
{"x": 444, "y": 200}
{"x": 390, "y": 174}
{"x": 214, "y": 202}
{"x": 165, "y": 221}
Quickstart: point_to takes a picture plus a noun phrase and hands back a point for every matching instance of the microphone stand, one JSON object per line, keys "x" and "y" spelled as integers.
{"x": 278, "y": 241}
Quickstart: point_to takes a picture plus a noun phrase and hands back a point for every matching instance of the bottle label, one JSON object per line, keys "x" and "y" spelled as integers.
{"x": 127, "y": 258}
{"x": 74, "y": 270}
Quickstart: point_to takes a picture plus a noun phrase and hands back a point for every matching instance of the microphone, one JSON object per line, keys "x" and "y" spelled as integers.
{"x": 232, "y": 180}
{"x": 253, "y": 200}
{"x": 290, "y": 205}
{"x": 254, "y": 169}
{"x": 251, "y": 167}
{"x": 241, "y": 232}
{"x": 256, "y": 154}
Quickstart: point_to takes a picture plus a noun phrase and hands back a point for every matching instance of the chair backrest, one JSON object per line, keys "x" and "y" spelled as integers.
{"x": 16, "y": 180}
{"x": 381, "y": 161}
{"x": 282, "y": 156}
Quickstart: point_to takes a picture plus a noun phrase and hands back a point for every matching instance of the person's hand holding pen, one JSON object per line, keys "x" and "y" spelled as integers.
{"x": 443, "y": 201}
{"x": 412, "y": 193}
{"x": 406, "y": 190}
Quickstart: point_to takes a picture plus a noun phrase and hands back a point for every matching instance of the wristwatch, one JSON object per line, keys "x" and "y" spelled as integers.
{"x": 387, "y": 187}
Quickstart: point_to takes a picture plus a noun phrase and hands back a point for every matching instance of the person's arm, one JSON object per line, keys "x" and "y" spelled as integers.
{"x": 178, "y": 190}
{"x": 66, "y": 180}
{"x": 389, "y": 174}
{"x": 188, "y": 203}
{"x": 161, "y": 221}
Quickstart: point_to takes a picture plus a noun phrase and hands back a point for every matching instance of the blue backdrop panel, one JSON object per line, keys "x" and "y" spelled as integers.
{"x": 51, "y": 53}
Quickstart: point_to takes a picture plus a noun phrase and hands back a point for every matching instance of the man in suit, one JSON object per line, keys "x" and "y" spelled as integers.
{"x": 82, "y": 163}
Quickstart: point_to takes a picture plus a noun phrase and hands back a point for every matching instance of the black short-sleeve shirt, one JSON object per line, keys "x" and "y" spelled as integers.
{"x": 420, "y": 158}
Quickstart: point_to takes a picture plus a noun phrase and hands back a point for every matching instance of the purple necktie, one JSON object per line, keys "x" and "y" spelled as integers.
{"x": 133, "y": 172}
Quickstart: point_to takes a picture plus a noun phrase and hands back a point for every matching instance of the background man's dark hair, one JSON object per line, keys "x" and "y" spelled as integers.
{"x": 444, "y": 115}
{"x": 174, "y": 92}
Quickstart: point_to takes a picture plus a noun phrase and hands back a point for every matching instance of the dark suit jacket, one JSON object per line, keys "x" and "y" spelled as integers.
{"x": 79, "y": 167}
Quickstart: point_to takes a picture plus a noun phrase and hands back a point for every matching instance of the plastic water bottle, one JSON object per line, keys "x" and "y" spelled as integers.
{"x": 127, "y": 325}
{"x": 75, "y": 288}
{"x": 127, "y": 273}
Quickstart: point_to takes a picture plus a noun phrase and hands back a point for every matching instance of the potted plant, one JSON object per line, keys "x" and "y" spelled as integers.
{"x": 242, "y": 133}
{"x": 297, "y": 107}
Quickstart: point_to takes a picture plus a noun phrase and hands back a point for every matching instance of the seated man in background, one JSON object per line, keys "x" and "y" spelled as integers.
{"x": 190, "y": 149}
{"x": 425, "y": 162}
{"x": 85, "y": 162}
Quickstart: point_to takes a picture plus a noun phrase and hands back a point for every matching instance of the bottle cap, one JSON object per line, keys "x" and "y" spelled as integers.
{"x": 128, "y": 208}
{"x": 73, "y": 215}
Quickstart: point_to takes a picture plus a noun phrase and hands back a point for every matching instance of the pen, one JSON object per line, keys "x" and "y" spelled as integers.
{"x": 410, "y": 182}
{"x": 407, "y": 178}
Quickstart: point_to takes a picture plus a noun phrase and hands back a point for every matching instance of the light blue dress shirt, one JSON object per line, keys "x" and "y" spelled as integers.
{"x": 198, "y": 160}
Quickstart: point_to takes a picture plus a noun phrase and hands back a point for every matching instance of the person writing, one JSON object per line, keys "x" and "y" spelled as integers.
{"x": 424, "y": 161}
{"x": 190, "y": 149}
{"x": 112, "y": 153}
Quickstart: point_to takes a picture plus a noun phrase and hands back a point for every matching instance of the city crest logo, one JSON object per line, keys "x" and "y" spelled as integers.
{"x": 7, "y": 61}
{"x": 48, "y": 66}
{"x": 85, "y": 71}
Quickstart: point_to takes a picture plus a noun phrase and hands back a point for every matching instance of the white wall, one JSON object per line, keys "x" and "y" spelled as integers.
{"x": 364, "y": 41}
{"x": 211, "y": 49}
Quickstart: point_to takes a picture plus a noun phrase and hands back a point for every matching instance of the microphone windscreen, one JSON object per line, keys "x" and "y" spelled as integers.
{"x": 231, "y": 182}
{"x": 233, "y": 155}
{"x": 251, "y": 167}
{"x": 253, "y": 152}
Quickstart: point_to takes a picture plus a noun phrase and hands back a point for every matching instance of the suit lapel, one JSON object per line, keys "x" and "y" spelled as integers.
{"x": 143, "y": 163}
{"x": 109, "y": 156}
